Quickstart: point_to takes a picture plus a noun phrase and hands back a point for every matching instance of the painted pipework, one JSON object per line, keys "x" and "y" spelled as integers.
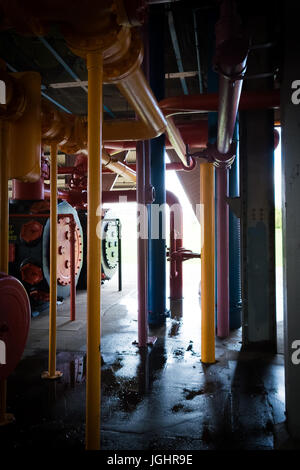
{"x": 22, "y": 114}
{"x": 193, "y": 133}
{"x": 208, "y": 102}
{"x": 222, "y": 252}
{"x": 177, "y": 253}
{"x": 157, "y": 245}
{"x": 142, "y": 153}
{"x": 230, "y": 62}
{"x": 235, "y": 287}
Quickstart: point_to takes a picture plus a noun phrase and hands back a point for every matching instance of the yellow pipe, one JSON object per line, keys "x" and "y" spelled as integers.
{"x": 3, "y": 200}
{"x": 3, "y": 241}
{"x": 118, "y": 167}
{"x": 52, "y": 373}
{"x": 152, "y": 122}
{"x": 95, "y": 117}
{"x": 122, "y": 130}
{"x": 207, "y": 263}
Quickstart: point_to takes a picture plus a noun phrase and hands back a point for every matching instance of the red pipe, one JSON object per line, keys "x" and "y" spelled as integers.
{"x": 205, "y": 103}
{"x": 72, "y": 269}
{"x": 232, "y": 49}
{"x": 193, "y": 133}
{"x": 28, "y": 191}
{"x": 66, "y": 170}
{"x": 176, "y": 244}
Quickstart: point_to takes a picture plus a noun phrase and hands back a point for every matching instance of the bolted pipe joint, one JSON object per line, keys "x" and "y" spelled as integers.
{"x": 211, "y": 154}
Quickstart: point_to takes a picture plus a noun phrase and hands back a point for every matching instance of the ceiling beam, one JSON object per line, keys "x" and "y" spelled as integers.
{"x": 177, "y": 51}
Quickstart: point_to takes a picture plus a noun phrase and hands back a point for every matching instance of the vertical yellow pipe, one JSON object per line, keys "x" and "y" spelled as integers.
{"x": 3, "y": 201}
{"x": 207, "y": 263}
{"x": 52, "y": 373}
{"x": 3, "y": 241}
{"x": 95, "y": 71}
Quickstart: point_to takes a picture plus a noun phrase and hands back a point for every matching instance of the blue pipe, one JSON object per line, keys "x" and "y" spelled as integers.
{"x": 235, "y": 290}
{"x": 157, "y": 247}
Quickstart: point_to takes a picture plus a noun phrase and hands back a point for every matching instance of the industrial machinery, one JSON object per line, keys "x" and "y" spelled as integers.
{"x": 29, "y": 234}
{"x": 110, "y": 248}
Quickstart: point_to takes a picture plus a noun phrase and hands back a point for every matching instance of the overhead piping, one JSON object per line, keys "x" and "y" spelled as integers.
{"x": 204, "y": 103}
{"x": 68, "y": 69}
{"x": 43, "y": 87}
{"x": 177, "y": 50}
{"x": 197, "y": 51}
{"x": 232, "y": 48}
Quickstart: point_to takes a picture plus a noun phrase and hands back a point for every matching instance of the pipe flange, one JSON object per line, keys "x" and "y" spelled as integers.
{"x": 231, "y": 77}
{"x": 15, "y": 98}
{"x": 128, "y": 63}
{"x": 219, "y": 160}
{"x": 82, "y": 44}
{"x": 56, "y": 125}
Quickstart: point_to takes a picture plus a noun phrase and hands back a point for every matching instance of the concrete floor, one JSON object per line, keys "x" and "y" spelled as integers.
{"x": 164, "y": 399}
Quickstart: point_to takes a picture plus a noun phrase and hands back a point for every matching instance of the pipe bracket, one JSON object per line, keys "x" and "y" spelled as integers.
{"x": 219, "y": 160}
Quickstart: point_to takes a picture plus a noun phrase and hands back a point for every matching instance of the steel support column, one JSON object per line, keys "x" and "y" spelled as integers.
{"x": 258, "y": 227}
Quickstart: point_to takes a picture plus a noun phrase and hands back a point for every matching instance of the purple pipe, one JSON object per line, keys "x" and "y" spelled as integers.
{"x": 142, "y": 244}
{"x": 232, "y": 48}
{"x": 222, "y": 253}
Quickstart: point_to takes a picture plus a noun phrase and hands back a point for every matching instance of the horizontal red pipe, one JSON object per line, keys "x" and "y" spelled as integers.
{"x": 66, "y": 170}
{"x": 28, "y": 191}
{"x": 210, "y": 101}
{"x": 193, "y": 133}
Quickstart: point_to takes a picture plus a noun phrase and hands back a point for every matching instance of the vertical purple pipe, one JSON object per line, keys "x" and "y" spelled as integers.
{"x": 142, "y": 245}
{"x": 222, "y": 253}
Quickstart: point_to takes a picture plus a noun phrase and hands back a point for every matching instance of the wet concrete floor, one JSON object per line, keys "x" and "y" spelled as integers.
{"x": 161, "y": 399}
